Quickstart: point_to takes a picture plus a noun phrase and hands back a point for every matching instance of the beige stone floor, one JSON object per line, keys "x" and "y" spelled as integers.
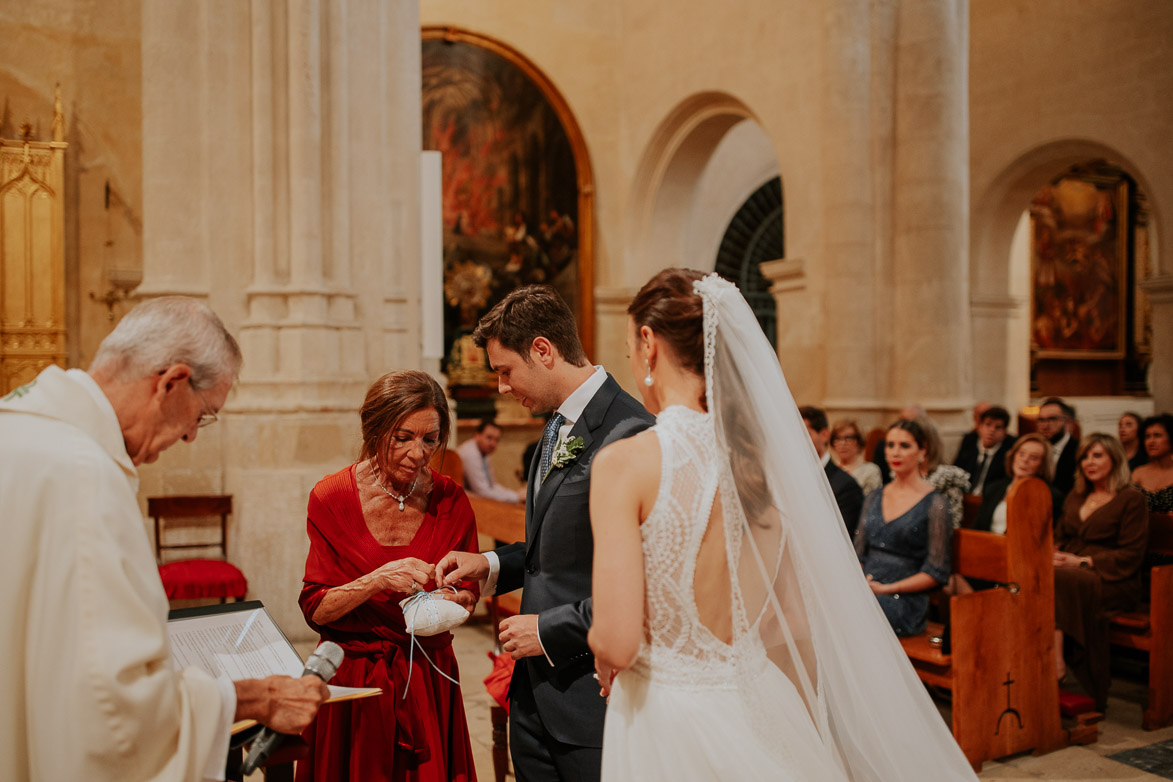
{"x": 1120, "y": 731}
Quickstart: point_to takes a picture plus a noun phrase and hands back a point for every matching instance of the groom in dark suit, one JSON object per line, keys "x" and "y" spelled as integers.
{"x": 556, "y": 713}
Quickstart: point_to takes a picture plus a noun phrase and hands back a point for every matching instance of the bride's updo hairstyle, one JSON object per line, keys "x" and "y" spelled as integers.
{"x": 669, "y": 306}
{"x": 674, "y": 311}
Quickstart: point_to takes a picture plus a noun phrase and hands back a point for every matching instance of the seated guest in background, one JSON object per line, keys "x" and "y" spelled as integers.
{"x": 1155, "y": 479}
{"x": 376, "y": 530}
{"x": 904, "y": 537}
{"x": 949, "y": 480}
{"x": 478, "y": 473}
{"x": 971, "y": 436}
{"x": 88, "y": 689}
{"x": 848, "y": 494}
{"x": 1099, "y": 547}
{"x": 1029, "y": 457}
{"x": 847, "y": 442}
{"x": 1054, "y": 415}
{"x": 908, "y": 413}
{"x": 984, "y": 456}
{"x": 1128, "y": 431}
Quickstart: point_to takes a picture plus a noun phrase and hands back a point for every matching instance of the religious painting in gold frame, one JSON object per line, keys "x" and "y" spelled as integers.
{"x": 1079, "y": 272}
{"x": 517, "y": 187}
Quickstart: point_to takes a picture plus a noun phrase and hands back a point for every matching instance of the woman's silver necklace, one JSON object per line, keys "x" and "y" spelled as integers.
{"x": 400, "y": 499}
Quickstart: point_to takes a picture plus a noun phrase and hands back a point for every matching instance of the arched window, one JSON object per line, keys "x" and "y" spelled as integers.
{"x": 754, "y": 236}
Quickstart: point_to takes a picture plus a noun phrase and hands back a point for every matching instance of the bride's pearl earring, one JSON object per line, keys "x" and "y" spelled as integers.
{"x": 648, "y": 380}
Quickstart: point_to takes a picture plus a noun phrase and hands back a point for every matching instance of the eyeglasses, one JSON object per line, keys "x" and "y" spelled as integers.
{"x": 1051, "y": 419}
{"x": 845, "y": 438}
{"x": 205, "y": 419}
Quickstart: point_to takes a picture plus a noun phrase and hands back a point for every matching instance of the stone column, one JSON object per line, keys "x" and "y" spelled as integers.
{"x": 848, "y": 266}
{"x": 929, "y": 305}
{"x": 281, "y": 166}
{"x": 1160, "y": 293}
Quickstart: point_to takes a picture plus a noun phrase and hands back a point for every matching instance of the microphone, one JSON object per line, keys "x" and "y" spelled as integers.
{"x": 323, "y": 663}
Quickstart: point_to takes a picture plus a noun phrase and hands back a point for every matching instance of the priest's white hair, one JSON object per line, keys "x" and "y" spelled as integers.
{"x": 165, "y": 331}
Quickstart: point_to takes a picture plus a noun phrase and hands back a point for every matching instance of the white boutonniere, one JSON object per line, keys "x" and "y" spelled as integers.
{"x": 564, "y": 453}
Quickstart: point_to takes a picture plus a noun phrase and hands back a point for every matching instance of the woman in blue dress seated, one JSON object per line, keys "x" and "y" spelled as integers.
{"x": 905, "y": 536}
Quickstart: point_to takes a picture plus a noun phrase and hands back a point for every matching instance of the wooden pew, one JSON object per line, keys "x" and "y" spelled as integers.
{"x": 1002, "y": 669}
{"x": 1151, "y": 628}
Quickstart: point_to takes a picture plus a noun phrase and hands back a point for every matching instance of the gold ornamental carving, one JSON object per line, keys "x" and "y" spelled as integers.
{"x": 32, "y": 253}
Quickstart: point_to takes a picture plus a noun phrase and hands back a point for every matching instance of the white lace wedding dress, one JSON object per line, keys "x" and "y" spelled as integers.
{"x": 682, "y": 711}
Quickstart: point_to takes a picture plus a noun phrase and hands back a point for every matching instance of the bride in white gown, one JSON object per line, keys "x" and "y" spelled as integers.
{"x": 728, "y": 604}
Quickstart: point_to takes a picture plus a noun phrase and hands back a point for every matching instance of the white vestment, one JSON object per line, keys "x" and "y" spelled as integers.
{"x": 87, "y": 687}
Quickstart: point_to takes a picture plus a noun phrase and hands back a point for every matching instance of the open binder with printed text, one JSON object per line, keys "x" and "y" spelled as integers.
{"x": 240, "y": 641}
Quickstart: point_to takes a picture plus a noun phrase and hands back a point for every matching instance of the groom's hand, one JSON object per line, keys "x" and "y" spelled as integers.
{"x": 459, "y": 566}
{"x": 519, "y": 636}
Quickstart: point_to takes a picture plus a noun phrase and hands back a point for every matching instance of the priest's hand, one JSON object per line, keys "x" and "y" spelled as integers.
{"x": 519, "y": 636}
{"x": 457, "y": 566}
{"x": 285, "y": 704}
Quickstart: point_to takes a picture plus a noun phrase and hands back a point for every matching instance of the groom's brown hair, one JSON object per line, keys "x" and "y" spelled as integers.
{"x": 526, "y": 314}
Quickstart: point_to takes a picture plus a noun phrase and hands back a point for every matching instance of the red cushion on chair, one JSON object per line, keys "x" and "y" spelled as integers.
{"x": 1072, "y": 704}
{"x": 193, "y": 579}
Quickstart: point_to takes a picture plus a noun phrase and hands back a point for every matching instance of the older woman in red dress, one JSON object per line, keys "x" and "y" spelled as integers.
{"x": 376, "y": 530}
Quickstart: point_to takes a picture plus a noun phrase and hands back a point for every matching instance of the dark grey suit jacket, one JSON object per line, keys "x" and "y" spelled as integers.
{"x": 848, "y": 496}
{"x": 969, "y": 457}
{"x": 554, "y": 567}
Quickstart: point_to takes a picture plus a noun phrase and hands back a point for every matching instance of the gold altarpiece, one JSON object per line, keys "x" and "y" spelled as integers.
{"x": 32, "y": 254}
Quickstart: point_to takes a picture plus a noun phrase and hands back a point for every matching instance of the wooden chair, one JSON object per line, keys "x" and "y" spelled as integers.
{"x": 1001, "y": 669}
{"x": 1151, "y": 628}
{"x": 195, "y": 579}
{"x": 873, "y": 438}
{"x": 971, "y": 505}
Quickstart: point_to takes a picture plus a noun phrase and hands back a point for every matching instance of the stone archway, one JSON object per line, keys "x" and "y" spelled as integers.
{"x": 1000, "y": 296}
{"x": 706, "y": 157}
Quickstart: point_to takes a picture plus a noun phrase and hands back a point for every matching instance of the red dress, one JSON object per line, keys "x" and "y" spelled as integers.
{"x": 425, "y": 737}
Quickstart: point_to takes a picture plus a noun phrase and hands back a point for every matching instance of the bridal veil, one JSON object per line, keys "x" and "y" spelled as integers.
{"x": 795, "y": 581}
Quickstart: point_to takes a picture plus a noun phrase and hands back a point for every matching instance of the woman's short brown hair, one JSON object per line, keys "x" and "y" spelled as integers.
{"x": 1045, "y": 472}
{"x": 1118, "y": 478}
{"x": 392, "y": 398}
{"x": 526, "y": 314}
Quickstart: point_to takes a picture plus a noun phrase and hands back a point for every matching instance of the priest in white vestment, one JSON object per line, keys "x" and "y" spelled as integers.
{"x": 87, "y": 687}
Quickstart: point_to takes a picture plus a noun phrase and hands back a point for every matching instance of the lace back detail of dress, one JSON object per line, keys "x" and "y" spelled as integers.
{"x": 686, "y": 560}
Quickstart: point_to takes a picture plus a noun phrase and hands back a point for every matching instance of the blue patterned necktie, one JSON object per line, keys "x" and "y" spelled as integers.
{"x": 549, "y": 438}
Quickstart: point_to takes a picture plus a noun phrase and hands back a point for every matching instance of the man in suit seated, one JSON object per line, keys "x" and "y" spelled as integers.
{"x": 1054, "y": 415}
{"x": 478, "y": 473}
{"x": 971, "y": 437}
{"x": 847, "y": 492}
{"x": 984, "y": 456}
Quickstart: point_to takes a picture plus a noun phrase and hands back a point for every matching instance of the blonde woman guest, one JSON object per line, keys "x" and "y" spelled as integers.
{"x": 1099, "y": 547}
{"x": 1027, "y": 458}
{"x": 847, "y": 442}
